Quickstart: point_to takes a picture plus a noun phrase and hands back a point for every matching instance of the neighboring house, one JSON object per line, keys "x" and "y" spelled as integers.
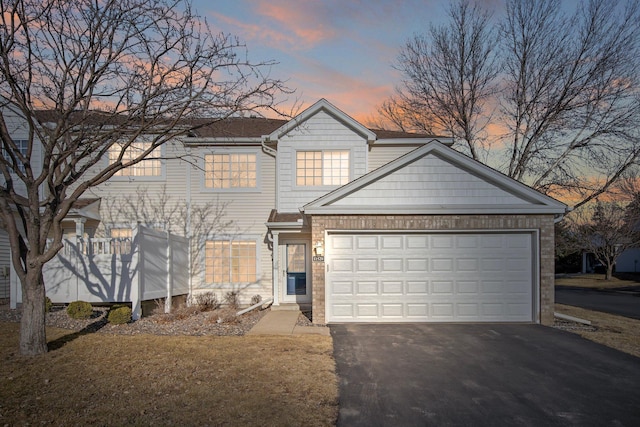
{"x": 361, "y": 225}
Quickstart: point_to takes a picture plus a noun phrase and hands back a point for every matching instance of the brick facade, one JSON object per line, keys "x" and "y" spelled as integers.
{"x": 543, "y": 223}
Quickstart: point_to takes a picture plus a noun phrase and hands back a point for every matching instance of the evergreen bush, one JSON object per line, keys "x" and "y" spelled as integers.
{"x": 80, "y": 310}
{"x": 119, "y": 314}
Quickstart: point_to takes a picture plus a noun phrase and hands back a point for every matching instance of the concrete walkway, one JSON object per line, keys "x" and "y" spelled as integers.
{"x": 283, "y": 322}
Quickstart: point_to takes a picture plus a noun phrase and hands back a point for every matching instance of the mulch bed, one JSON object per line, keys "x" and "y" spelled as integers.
{"x": 183, "y": 321}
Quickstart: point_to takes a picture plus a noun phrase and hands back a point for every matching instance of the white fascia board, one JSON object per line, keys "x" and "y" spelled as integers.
{"x": 412, "y": 141}
{"x": 222, "y": 141}
{"x": 332, "y": 110}
{"x": 434, "y": 210}
{"x": 484, "y": 172}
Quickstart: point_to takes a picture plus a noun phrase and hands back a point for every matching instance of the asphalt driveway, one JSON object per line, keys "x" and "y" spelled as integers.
{"x": 481, "y": 375}
{"x": 625, "y": 303}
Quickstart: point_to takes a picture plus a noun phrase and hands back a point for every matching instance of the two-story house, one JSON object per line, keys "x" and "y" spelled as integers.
{"x": 362, "y": 225}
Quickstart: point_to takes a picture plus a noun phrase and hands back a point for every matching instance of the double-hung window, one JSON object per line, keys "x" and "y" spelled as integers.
{"x": 151, "y": 167}
{"x": 318, "y": 168}
{"x": 230, "y": 261}
{"x": 22, "y": 145}
{"x": 230, "y": 171}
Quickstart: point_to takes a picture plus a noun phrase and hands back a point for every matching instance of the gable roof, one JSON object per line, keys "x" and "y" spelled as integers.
{"x": 330, "y": 109}
{"x": 435, "y": 179}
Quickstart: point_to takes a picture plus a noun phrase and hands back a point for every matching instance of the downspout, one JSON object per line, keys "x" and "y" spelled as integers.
{"x": 273, "y": 238}
{"x": 188, "y": 236}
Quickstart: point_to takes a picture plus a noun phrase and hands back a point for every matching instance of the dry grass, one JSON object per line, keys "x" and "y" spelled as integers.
{"x": 621, "y": 333}
{"x": 596, "y": 281}
{"x": 105, "y": 379}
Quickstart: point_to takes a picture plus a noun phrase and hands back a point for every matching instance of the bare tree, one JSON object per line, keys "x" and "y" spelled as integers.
{"x": 110, "y": 74}
{"x": 449, "y": 78}
{"x": 568, "y": 102}
{"x": 571, "y": 98}
{"x": 607, "y": 229}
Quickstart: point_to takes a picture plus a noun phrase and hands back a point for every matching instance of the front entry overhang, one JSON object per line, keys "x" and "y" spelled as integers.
{"x": 278, "y": 224}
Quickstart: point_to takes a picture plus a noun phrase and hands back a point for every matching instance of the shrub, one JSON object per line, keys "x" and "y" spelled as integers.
{"x": 79, "y": 310}
{"x": 206, "y": 301}
{"x": 232, "y": 298}
{"x": 119, "y": 314}
{"x": 47, "y": 304}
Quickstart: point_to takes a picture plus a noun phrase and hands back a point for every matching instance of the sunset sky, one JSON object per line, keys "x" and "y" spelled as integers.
{"x": 341, "y": 50}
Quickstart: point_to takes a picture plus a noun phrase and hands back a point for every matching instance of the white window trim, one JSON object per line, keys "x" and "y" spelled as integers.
{"x": 227, "y": 238}
{"x": 256, "y": 189}
{"x": 5, "y": 154}
{"x": 319, "y": 187}
{"x": 157, "y": 178}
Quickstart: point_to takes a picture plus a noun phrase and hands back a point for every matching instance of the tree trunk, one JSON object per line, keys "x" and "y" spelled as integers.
{"x": 609, "y": 274}
{"x": 33, "y": 339}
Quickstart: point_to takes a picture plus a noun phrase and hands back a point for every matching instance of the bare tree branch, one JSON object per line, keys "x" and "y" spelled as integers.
{"x": 89, "y": 81}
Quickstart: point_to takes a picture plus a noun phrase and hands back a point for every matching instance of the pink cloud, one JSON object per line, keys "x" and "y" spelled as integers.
{"x": 254, "y": 30}
{"x": 299, "y": 19}
{"x": 356, "y": 96}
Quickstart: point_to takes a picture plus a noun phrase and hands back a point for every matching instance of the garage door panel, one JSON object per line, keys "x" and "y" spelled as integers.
{"x": 391, "y": 265}
{"x": 441, "y": 241}
{"x": 430, "y": 277}
{"x": 342, "y": 287}
{"x": 364, "y": 311}
{"x": 392, "y": 288}
{"x": 442, "y": 311}
{"x": 392, "y": 310}
{"x": 366, "y": 288}
{"x": 415, "y": 287}
{"x": 392, "y": 242}
{"x": 342, "y": 265}
{"x": 468, "y": 265}
{"x": 467, "y": 287}
{"x": 442, "y": 265}
{"x": 366, "y": 242}
{"x": 341, "y": 242}
{"x": 417, "y": 242}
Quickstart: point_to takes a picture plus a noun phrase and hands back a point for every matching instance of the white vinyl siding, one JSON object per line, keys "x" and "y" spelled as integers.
{"x": 238, "y": 209}
{"x": 431, "y": 181}
{"x": 321, "y": 132}
{"x": 381, "y": 155}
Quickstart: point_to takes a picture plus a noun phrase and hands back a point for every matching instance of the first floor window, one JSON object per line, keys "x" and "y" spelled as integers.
{"x": 150, "y": 167}
{"x": 230, "y": 261}
{"x": 120, "y": 240}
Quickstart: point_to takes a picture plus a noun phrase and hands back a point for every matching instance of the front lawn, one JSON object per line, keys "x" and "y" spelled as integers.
{"x": 103, "y": 379}
{"x": 621, "y": 333}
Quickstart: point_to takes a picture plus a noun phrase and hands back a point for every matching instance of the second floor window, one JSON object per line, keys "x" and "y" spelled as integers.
{"x": 322, "y": 168}
{"x": 23, "y": 146}
{"x": 150, "y": 167}
{"x": 229, "y": 171}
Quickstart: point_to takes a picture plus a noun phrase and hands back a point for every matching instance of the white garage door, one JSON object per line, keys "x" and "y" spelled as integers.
{"x": 437, "y": 277}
